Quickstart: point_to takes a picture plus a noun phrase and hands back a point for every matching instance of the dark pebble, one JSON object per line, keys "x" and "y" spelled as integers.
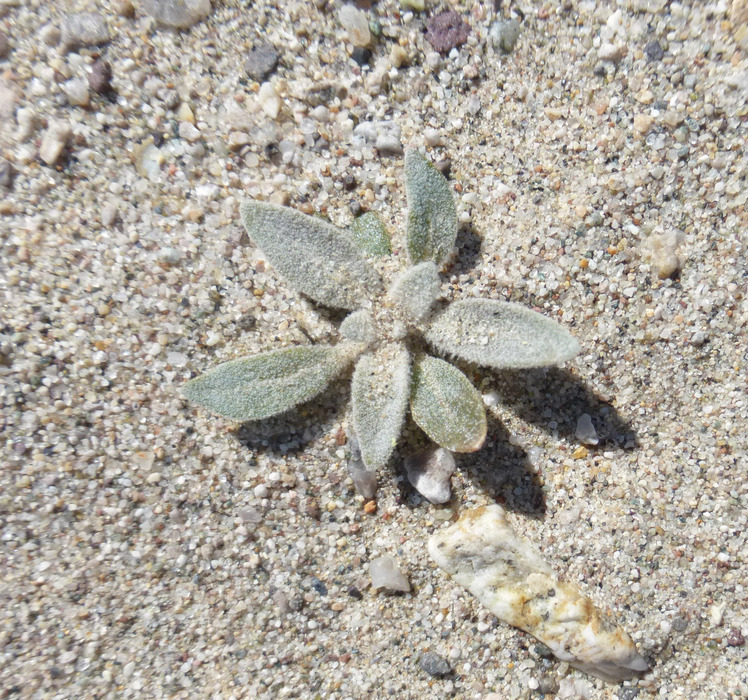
{"x": 680, "y": 624}
{"x": 361, "y": 55}
{"x": 547, "y": 685}
{"x": 447, "y": 30}
{"x": 735, "y": 638}
{"x": 628, "y": 693}
{"x": 318, "y": 586}
{"x": 7, "y": 173}
{"x": 434, "y": 664}
{"x": 356, "y": 208}
{"x": 4, "y": 45}
{"x": 261, "y": 62}
{"x": 349, "y": 183}
{"x": 353, "y": 592}
{"x": 100, "y": 77}
{"x": 543, "y": 651}
{"x": 444, "y": 167}
{"x": 654, "y": 51}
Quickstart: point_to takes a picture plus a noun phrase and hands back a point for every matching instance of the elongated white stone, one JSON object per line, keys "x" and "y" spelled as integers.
{"x": 482, "y": 553}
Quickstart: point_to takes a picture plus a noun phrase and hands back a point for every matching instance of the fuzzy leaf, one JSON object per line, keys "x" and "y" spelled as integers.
{"x": 432, "y": 216}
{"x": 416, "y": 290}
{"x": 500, "y": 335}
{"x": 359, "y": 327}
{"x": 315, "y": 257}
{"x": 264, "y": 385}
{"x": 446, "y": 406}
{"x": 370, "y": 235}
{"x": 380, "y": 390}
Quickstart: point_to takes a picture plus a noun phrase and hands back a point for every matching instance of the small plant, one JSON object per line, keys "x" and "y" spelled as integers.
{"x": 389, "y": 334}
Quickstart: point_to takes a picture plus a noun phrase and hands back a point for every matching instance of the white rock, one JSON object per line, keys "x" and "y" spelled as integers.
{"x": 585, "y": 431}
{"x": 386, "y": 574}
{"x": 180, "y": 14}
{"x": 54, "y": 140}
{"x": 355, "y": 22}
{"x": 76, "y": 91}
{"x": 269, "y": 100}
{"x": 27, "y": 121}
{"x": 189, "y": 132}
{"x": 429, "y": 471}
{"x": 610, "y": 52}
{"x": 482, "y": 553}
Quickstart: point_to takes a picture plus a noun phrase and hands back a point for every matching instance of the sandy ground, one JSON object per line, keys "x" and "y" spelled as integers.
{"x": 149, "y": 549}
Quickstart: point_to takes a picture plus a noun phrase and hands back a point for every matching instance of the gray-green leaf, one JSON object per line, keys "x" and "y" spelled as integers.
{"x": 416, "y": 290}
{"x": 317, "y": 258}
{"x": 259, "y": 386}
{"x": 380, "y": 390}
{"x": 500, "y": 335}
{"x": 359, "y": 327}
{"x": 432, "y": 216}
{"x": 446, "y": 406}
{"x": 370, "y": 235}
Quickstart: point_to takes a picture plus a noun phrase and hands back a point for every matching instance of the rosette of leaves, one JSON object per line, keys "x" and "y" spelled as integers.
{"x": 390, "y": 334}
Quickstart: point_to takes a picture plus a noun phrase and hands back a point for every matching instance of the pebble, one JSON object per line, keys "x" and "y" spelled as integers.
{"x": 654, "y": 50}
{"x": 100, "y": 77}
{"x": 189, "y": 132}
{"x": 483, "y": 554}
{"x": 430, "y": 472}
{"x": 504, "y": 34}
{"x": 434, "y": 664}
{"x": 356, "y": 23}
{"x": 585, "y": 431}
{"x": 385, "y": 575}
{"x": 643, "y": 122}
{"x": 7, "y": 174}
{"x": 179, "y": 14}
{"x": 269, "y": 100}
{"x": 385, "y": 135}
{"x": 84, "y": 29}
{"x": 399, "y": 56}
{"x": 446, "y": 31}
{"x": 53, "y": 143}
{"x": 4, "y": 45}
{"x": 362, "y": 56}
{"x": 610, "y": 52}
{"x": 261, "y": 61}
{"x": 76, "y": 90}
{"x": 739, "y": 21}
{"x": 364, "y": 480}
{"x": 413, "y": 5}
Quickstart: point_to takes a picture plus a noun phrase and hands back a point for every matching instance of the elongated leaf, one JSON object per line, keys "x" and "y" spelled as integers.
{"x": 432, "y": 216}
{"x": 446, "y": 406}
{"x": 314, "y": 257}
{"x": 359, "y": 327}
{"x": 416, "y": 290}
{"x": 380, "y": 390}
{"x": 500, "y": 335}
{"x": 264, "y": 385}
{"x": 370, "y": 235}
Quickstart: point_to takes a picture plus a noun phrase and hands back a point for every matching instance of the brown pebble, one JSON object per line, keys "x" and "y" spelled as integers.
{"x": 735, "y": 638}
{"x": 4, "y": 45}
{"x": 100, "y": 77}
{"x": 370, "y": 507}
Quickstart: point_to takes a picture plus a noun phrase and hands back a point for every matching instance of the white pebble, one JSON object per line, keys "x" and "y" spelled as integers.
{"x": 76, "y": 91}
{"x": 386, "y": 574}
{"x": 585, "y": 431}
{"x": 269, "y": 100}
{"x": 355, "y": 22}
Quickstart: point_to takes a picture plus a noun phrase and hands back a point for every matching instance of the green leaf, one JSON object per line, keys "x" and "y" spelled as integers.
{"x": 359, "y": 327}
{"x": 380, "y": 389}
{"x": 500, "y": 335}
{"x": 259, "y": 386}
{"x": 370, "y": 235}
{"x": 314, "y": 256}
{"x": 432, "y": 217}
{"x": 416, "y": 290}
{"x": 446, "y": 406}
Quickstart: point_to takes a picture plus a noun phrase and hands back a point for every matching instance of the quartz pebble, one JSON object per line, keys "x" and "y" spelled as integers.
{"x": 504, "y": 34}
{"x": 269, "y": 100}
{"x": 84, "y": 29}
{"x": 482, "y": 553}
{"x": 76, "y": 91}
{"x": 585, "y": 431}
{"x": 430, "y": 471}
{"x": 179, "y": 14}
{"x": 355, "y": 22}
{"x": 386, "y": 575}
{"x": 53, "y": 143}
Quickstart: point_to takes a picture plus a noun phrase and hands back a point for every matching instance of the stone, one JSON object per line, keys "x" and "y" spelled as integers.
{"x": 189, "y": 132}
{"x": 76, "y": 90}
{"x": 100, "y": 77}
{"x": 610, "y": 52}
{"x": 482, "y": 553}
{"x": 446, "y": 31}
{"x": 654, "y": 51}
{"x": 384, "y": 134}
{"x": 413, "y": 5}
{"x": 386, "y": 575}
{"x": 585, "y": 431}
{"x": 179, "y": 14}
{"x": 54, "y": 140}
{"x": 356, "y": 24}
{"x": 269, "y": 100}
{"x": 643, "y": 123}
{"x": 364, "y": 480}
{"x": 4, "y": 45}
{"x": 434, "y": 664}
{"x": 739, "y": 21}
{"x": 261, "y": 61}
{"x": 7, "y": 174}
{"x": 504, "y": 34}
{"x": 430, "y": 471}
{"x": 84, "y": 29}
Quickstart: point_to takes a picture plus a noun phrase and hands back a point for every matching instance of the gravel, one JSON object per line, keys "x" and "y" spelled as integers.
{"x": 121, "y": 507}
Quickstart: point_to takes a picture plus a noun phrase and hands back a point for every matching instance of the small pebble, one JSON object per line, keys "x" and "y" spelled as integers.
{"x": 355, "y": 22}
{"x": 654, "y": 51}
{"x": 430, "y": 472}
{"x": 188, "y": 132}
{"x": 76, "y": 91}
{"x": 446, "y": 31}
{"x": 643, "y": 123}
{"x": 610, "y": 52}
{"x": 84, "y": 29}
{"x": 585, "y": 431}
{"x": 434, "y": 664}
{"x": 269, "y": 100}
{"x": 53, "y": 143}
{"x": 504, "y": 34}
{"x": 7, "y": 174}
{"x": 386, "y": 575}
{"x": 361, "y": 55}
{"x": 179, "y": 14}
{"x": 4, "y": 45}
{"x": 100, "y": 77}
{"x": 261, "y": 61}
{"x": 414, "y": 5}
